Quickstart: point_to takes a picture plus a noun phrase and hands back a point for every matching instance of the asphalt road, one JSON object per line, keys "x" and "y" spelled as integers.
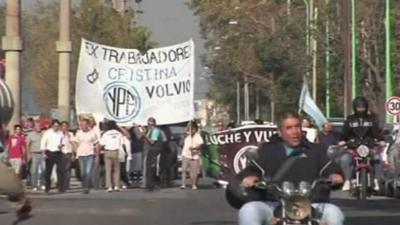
{"x": 172, "y": 207}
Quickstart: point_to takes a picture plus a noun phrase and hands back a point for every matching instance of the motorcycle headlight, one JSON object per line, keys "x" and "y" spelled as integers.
{"x": 298, "y": 207}
{"x": 288, "y": 188}
{"x": 304, "y": 188}
{"x": 363, "y": 151}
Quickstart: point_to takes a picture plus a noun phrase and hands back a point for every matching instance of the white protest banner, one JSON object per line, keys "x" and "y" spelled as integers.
{"x": 129, "y": 87}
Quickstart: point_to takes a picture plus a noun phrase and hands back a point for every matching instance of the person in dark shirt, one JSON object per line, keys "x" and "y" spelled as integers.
{"x": 273, "y": 154}
{"x": 328, "y": 136}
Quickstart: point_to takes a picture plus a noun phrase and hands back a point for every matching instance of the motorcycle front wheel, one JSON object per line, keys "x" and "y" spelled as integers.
{"x": 364, "y": 185}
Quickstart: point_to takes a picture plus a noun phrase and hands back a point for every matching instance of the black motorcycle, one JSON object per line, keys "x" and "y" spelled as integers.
{"x": 295, "y": 201}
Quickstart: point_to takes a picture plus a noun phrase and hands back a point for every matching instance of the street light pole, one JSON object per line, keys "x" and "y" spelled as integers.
{"x": 12, "y": 45}
{"x": 64, "y": 48}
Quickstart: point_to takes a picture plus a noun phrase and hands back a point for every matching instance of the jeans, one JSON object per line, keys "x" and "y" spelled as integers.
{"x": 260, "y": 213}
{"x": 86, "y": 166}
{"x": 345, "y": 162}
{"x": 37, "y": 168}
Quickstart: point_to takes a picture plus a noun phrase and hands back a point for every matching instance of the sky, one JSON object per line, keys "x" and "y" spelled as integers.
{"x": 170, "y": 22}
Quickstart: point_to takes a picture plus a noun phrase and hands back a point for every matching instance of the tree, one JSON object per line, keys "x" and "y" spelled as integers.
{"x": 91, "y": 20}
{"x": 276, "y": 53}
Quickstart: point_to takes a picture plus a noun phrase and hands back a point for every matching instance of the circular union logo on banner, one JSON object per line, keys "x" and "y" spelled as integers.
{"x": 393, "y": 105}
{"x": 122, "y": 101}
{"x": 240, "y": 160}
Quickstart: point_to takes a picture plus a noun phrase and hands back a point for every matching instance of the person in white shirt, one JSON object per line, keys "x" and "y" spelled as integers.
{"x": 112, "y": 141}
{"x": 97, "y": 177}
{"x": 51, "y": 144}
{"x": 191, "y": 155}
{"x": 125, "y": 156}
{"x": 67, "y": 155}
{"x": 87, "y": 148}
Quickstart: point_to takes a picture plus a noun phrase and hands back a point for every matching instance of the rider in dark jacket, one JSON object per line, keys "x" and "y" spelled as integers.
{"x": 272, "y": 155}
{"x": 359, "y": 128}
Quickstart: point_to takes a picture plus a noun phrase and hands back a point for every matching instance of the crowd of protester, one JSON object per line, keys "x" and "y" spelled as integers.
{"x": 101, "y": 156}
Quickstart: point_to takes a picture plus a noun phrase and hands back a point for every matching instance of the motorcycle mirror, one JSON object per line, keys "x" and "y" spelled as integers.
{"x": 258, "y": 166}
{"x": 321, "y": 172}
{"x": 251, "y": 154}
{"x": 333, "y": 151}
{"x": 388, "y": 138}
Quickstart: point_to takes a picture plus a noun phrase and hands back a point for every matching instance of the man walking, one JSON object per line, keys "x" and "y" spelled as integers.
{"x": 51, "y": 144}
{"x": 36, "y": 156}
{"x": 87, "y": 149}
{"x": 17, "y": 149}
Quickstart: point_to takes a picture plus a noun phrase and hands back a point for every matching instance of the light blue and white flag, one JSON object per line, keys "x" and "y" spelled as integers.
{"x": 307, "y": 104}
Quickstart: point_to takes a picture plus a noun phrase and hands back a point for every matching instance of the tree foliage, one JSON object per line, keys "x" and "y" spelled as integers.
{"x": 268, "y": 44}
{"x": 90, "y": 20}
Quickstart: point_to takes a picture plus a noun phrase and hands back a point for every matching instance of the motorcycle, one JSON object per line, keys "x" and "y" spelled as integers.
{"x": 295, "y": 206}
{"x": 362, "y": 186}
{"x": 295, "y": 202}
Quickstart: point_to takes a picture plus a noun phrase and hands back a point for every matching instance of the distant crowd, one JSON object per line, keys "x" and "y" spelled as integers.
{"x": 102, "y": 156}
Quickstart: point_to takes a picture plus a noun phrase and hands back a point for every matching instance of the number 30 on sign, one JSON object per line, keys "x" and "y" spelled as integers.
{"x": 393, "y": 105}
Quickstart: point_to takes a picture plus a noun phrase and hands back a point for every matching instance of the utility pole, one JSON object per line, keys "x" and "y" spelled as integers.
{"x": 346, "y": 37}
{"x": 12, "y": 45}
{"x": 64, "y": 48}
{"x": 327, "y": 62}
{"x": 246, "y": 99}
{"x": 237, "y": 102}
{"x": 389, "y": 71}
{"x": 257, "y": 100}
{"x": 314, "y": 46}
{"x": 354, "y": 51}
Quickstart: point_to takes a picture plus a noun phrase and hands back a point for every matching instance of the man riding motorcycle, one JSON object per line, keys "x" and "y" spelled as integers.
{"x": 271, "y": 157}
{"x": 359, "y": 128}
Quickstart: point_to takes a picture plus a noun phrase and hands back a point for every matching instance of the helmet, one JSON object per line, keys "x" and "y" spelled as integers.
{"x": 360, "y": 102}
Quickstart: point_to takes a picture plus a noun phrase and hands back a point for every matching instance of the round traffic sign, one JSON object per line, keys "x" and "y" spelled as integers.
{"x": 393, "y": 105}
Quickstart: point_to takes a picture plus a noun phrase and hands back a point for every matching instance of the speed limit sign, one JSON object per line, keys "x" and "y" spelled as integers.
{"x": 393, "y": 105}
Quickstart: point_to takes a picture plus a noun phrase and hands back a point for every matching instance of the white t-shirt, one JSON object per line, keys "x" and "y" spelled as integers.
{"x": 121, "y": 154}
{"x": 112, "y": 140}
{"x": 86, "y": 142}
{"x": 192, "y": 141}
{"x": 67, "y": 143}
{"x": 51, "y": 140}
